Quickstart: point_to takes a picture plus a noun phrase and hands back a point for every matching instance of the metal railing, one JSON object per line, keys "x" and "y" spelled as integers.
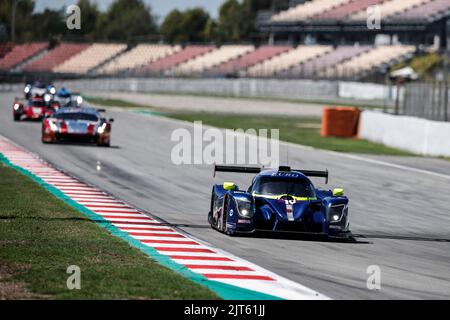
{"x": 429, "y": 100}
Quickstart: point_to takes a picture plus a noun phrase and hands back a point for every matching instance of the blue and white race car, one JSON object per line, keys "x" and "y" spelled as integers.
{"x": 279, "y": 200}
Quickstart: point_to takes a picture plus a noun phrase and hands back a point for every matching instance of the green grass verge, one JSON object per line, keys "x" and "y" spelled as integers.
{"x": 304, "y": 131}
{"x": 40, "y": 236}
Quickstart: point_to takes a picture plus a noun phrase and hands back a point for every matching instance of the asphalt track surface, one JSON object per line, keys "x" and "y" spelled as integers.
{"x": 399, "y": 207}
{"x": 214, "y": 104}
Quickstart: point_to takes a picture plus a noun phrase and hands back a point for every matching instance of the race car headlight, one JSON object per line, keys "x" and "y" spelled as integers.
{"x": 79, "y": 100}
{"x": 47, "y": 98}
{"x": 101, "y": 129}
{"x": 16, "y": 106}
{"x": 27, "y": 89}
{"x": 336, "y": 212}
{"x": 245, "y": 208}
{"x": 52, "y": 90}
{"x": 53, "y": 126}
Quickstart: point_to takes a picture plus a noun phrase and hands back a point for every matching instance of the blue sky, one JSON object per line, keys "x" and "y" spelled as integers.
{"x": 159, "y": 7}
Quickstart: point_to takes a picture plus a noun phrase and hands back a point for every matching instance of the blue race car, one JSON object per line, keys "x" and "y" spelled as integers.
{"x": 279, "y": 200}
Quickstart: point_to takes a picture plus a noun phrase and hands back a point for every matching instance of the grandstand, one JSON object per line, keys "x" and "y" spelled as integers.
{"x": 55, "y": 57}
{"x": 212, "y": 59}
{"x": 416, "y": 22}
{"x": 90, "y": 58}
{"x": 19, "y": 54}
{"x": 283, "y": 61}
{"x": 139, "y": 56}
{"x": 311, "y": 39}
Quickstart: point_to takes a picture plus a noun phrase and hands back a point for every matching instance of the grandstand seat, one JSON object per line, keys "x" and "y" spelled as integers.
{"x": 250, "y": 59}
{"x": 287, "y": 60}
{"x": 307, "y": 10}
{"x": 347, "y": 9}
{"x": 369, "y": 60}
{"x": 55, "y": 57}
{"x": 5, "y": 47}
{"x": 188, "y": 53}
{"x": 139, "y": 56}
{"x": 90, "y": 58}
{"x": 212, "y": 59}
{"x": 20, "y": 53}
{"x": 332, "y": 58}
{"x": 390, "y": 8}
{"x": 426, "y": 11}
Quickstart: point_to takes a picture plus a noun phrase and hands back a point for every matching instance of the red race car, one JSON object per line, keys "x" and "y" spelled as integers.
{"x": 34, "y": 109}
{"x": 77, "y": 124}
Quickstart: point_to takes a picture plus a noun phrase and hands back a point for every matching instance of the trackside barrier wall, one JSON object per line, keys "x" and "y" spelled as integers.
{"x": 227, "y": 87}
{"x": 367, "y": 91}
{"x": 7, "y": 87}
{"x": 279, "y": 88}
{"x": 421, "y": 136}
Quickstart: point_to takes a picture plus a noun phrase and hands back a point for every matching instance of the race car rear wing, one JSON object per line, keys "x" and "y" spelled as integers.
{"x": 236, "y": 169}
{"x": 256, "y": 170}
{"x": 316, "y": 174}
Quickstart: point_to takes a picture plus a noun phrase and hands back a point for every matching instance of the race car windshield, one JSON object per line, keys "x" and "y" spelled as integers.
{"x": 77, "y": 116}
{"x": 37, "y": 103}
{"x": 281, "y": 186}
{"x": 39, "y": 85}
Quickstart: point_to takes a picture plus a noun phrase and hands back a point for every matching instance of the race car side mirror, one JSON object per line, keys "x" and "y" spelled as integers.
{"x": 229, "y": 186}
{"x": 338, "y": 192}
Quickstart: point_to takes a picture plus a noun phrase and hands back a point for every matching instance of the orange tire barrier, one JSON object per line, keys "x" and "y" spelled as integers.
{"x": 340, "y": 122}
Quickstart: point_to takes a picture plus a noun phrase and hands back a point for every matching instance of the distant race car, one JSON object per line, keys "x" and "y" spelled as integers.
{"x": 39, "y": 89}
{"x": 33, "y": 109}
{"x": 279, "y": 200}
{"x": 67, "y": 99}
{"x": 77, "y": 124}
{"x": 76, "y": 100}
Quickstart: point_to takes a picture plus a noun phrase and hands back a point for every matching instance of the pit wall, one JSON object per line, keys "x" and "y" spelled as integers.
{"x": 420, "y": 136}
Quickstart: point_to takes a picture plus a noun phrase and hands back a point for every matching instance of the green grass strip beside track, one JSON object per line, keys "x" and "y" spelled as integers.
{"x": 223, "y": 290}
